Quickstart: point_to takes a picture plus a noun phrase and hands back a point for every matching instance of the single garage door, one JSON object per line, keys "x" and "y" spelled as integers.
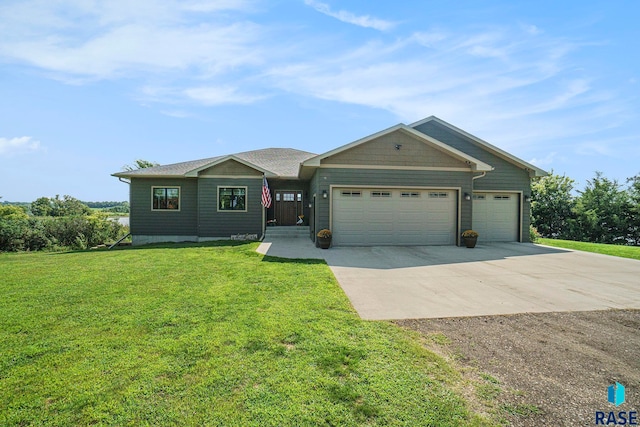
{"x": 495, "y": 216}
{"x": 370, "y": 216}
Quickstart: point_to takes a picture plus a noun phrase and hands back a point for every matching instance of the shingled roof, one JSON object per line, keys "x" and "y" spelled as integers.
{"x": 281, "y": 162}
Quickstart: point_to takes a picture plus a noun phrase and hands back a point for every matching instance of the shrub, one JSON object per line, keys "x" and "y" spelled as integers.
{"x": 533, "y": 234}
{"x": 81, "y": 232}
{"x": 12, "y": 233}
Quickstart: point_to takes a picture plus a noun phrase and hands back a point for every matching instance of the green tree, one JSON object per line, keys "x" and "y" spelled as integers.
{"x": 602, "y": 211}
{"x": 634, "y": 210}
{"x": 65, "y": 206}
{"x": 41, "y": 206}
{"x": 11, "y": 212}
{"x": 552, "y": 206}
{"x": 139, "y": 164}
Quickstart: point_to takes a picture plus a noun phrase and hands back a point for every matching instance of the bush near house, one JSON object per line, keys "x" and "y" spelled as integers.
{"x": 79, "y": 228}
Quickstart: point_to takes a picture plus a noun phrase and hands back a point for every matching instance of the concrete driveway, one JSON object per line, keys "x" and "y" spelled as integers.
{"x": 448, "y": 281}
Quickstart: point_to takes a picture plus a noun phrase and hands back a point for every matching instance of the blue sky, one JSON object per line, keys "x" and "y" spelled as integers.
{"x": 88, "y": 86}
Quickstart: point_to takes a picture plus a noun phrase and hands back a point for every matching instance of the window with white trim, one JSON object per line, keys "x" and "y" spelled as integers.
{"x": 232, "y": 199}
{"x": 165, "y": 198}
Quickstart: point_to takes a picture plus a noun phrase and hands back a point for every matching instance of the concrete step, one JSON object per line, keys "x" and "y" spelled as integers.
{"x": 287, "y": 232}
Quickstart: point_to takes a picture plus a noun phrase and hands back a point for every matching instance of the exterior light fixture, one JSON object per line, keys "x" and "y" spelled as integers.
{"x": 398, "y": 146}
{"x": 467, "y": 196}
{"x": 527, "y": 199}
{"x": 324, "y": 194}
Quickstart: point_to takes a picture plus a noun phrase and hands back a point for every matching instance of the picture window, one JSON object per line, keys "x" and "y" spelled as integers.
{"x": 232, "y": 198}
{"x": 165, "y": 198}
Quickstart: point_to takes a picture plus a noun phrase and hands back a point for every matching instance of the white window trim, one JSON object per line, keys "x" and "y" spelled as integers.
{"x": 246, "y": 198}
{"x": 153, "y": 187}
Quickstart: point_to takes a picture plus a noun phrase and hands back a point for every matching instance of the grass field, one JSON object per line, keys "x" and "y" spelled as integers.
{"x": 211, "y": 334}
{"x": 614, "y": 250}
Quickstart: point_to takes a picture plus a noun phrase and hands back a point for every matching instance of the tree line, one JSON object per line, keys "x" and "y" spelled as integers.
{"x": 55, "y": 223}
{"x": 605, "y": 211}
{"x": 55, "y": 206}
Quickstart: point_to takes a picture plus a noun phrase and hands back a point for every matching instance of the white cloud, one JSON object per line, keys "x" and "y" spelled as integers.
{"x": 219, "y": 95}
{"x": 122, "y": 38}
{"x": 138, "y": 49}
{"x": 504, "y": 84}
{"x": 516, "y": 86}
{"x": 544, "y": 161}
{"x": 19, "y": 145}
{"x": 365, "y": 21}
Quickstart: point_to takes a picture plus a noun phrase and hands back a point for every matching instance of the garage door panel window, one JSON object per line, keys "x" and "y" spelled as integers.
{"x": 410, "y": 194}
{"x": 381, "y": 194}
{"x": 438, "y": 195}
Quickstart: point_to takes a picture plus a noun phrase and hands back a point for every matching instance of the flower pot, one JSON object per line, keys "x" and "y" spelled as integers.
{"x": 470, "y": 242}
{"x": 324, "y": 242}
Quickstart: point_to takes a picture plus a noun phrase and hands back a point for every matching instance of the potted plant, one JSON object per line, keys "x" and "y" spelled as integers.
{"x": 470, "y": 238}
{"x": 324, "y": 238}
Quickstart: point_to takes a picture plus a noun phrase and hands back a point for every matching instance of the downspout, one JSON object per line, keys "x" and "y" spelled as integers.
{"x": 473, "y": 178}
{"x": 124, "y": 180}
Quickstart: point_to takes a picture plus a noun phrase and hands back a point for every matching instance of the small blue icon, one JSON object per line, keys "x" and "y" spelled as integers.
{"x": 615, "y": 394}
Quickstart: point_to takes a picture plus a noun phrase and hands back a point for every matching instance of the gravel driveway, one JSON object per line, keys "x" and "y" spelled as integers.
{"x": 543, "y": 369}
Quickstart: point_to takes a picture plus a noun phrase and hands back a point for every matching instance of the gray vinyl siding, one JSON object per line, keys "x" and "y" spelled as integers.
{"x": 324, "y": 178}
{"x": 214, "y": 223}
{"x": 145, "y": 221}
{"x": 505, "y": 177}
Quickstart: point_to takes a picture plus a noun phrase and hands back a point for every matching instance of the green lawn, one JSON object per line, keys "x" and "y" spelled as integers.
{"x": 615, "y": 250}
{"x": 210, "y": 334}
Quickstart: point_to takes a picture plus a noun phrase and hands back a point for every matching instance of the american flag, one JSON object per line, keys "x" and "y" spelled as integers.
{"x": 266, "y": 194}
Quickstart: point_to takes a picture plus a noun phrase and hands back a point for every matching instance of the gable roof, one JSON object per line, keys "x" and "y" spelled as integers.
{"x": 274, "y": 162}
{"x": 484, "y": 144}
{"x": 476, "y": 165}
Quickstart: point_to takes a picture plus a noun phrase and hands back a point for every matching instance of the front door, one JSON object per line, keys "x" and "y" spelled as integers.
{"x": 287, "y": 206}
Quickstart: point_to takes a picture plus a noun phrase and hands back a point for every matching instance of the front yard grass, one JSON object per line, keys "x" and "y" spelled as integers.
{"x": 211, "y": 334}
{"x": 614, "y": 250}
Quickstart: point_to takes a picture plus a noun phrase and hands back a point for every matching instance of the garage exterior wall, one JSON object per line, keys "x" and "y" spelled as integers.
{"x": 326, "y": 178}
{"x": 381, "y": 151}
{"x": 506, "y": 177}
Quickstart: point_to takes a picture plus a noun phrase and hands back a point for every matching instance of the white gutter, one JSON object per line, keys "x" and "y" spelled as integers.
{"x": 482, "y": 175}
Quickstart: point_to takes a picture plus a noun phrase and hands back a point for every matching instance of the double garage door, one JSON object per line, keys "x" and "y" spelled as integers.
{"x": 370, "y": 216}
